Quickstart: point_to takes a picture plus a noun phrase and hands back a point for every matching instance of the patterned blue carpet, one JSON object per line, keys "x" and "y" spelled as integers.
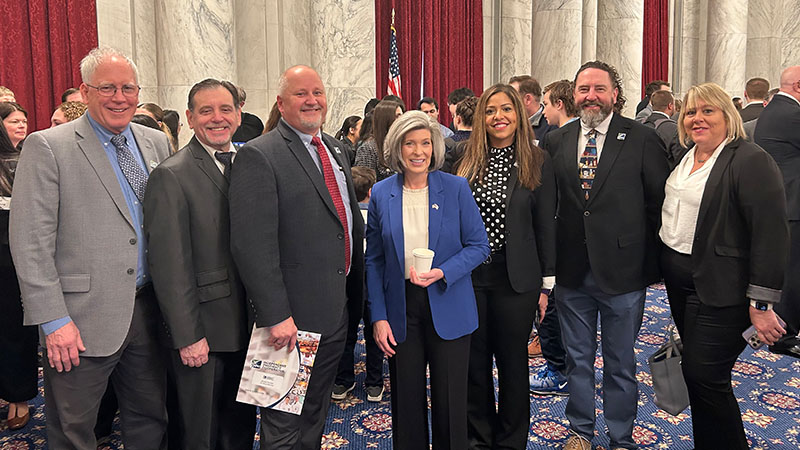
{"x": 766, "y": 385}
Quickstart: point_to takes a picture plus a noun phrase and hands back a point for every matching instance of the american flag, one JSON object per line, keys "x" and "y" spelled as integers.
{"x": 394, "y": 64}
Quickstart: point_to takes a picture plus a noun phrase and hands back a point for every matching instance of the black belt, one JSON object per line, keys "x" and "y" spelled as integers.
{"x": 497, "y": 257}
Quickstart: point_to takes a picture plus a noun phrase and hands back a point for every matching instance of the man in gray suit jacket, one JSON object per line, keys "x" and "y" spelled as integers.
{"x": 296, "y": 233}
{"x": 79, "y": 249}
{"x": 196, "y": 282}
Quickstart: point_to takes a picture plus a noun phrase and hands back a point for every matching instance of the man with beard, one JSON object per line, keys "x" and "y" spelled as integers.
{"x": 611, "y": 173}
{"x": 296, "y": 237}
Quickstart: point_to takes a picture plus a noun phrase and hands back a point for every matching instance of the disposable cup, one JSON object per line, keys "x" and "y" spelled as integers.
{"x": 423, "y": 258}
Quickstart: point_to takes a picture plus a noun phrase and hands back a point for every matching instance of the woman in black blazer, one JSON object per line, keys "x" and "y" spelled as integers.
{"x": 513, "y": 183}
{"x": 725, "y": 232}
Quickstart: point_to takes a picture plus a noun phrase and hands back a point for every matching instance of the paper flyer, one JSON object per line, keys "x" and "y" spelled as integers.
{"x": 277, "y": 379}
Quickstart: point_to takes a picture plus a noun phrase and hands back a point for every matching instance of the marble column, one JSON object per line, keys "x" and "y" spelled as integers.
{"x": 489, "y": 65}
{"x": 619, "y": 43}
{"x": 726, "y": 45}
{"x": 343, "y": 52}
{"x": 687, "y": 41}
{"x": 195, "y": 40}
{"x": 763, "y": 41}
{"x": 589, "y": 27}
{"x": 556, "y": 41}
{"x": 790, "y": 34}
{"x": 515, "y": 41}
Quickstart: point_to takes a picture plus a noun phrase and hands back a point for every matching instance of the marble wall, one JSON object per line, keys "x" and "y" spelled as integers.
{"x": 515, "y": 38}
{"x": 556, "y": 56}
{"x": 619, "y": 43}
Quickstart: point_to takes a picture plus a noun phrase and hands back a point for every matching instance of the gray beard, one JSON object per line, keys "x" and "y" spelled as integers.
{"x": 592, "y": 119}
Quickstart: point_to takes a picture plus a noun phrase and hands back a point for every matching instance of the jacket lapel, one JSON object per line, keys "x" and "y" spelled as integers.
{"x": 309, "y": 166}
{"x": 615, "y": 139}
{"x": 208, "y": 166}
{"x": 147, "y": 149}
{"x": 569, "y": 157}
{"x": 714, "y": 178}
{"x": 435, "y": 208}
{"x": 396, "y": 219}
{"x": 90, "y": 146}
{"x": 512, "y": 182}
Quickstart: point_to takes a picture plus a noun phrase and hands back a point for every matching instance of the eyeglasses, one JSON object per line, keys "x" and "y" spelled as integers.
{"x": 108, "y": 90}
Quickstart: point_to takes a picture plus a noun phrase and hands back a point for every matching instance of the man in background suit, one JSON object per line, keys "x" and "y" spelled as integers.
{"x": 611, "y": 173}
{"x": 197, "y": 284}
{"x": 80, "y": 254}
{"x": 755, "y": 93}
{"x": 778, "y": 132}
{"x": 296, "y": 236}
{"x": 531, "y": 93}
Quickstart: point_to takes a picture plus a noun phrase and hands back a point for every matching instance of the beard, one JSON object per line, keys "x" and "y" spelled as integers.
{"x": 593, "y": 118}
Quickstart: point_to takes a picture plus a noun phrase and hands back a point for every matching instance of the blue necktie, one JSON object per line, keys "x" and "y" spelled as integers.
{"x": 134, "y": 173}
{"x": 587, "y": 164}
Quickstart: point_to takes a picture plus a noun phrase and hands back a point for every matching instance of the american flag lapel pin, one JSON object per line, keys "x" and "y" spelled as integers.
{"x": 435, "y": 206}
{"x": 621, "y": 136}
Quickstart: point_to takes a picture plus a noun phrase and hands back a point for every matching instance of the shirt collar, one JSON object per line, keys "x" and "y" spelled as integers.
{"x": 537, "y": 116}
{"x": 211, "y": 151}
{"x": 105, "y": 135}
{"x": 306, "y": 138}
{"x": 602, "y": 128}
{"x": 788, "y": 95}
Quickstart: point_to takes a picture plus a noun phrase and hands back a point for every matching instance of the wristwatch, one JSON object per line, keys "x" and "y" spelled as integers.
{"x": 761, "y": 306}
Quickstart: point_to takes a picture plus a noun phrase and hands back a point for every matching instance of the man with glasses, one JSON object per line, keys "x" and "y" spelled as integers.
{"x": 80, "y": 252}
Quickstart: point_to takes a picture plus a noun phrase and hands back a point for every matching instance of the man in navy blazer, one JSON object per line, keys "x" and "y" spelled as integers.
{"x": 778, "y": 132}
{"x": 610, "y": 172}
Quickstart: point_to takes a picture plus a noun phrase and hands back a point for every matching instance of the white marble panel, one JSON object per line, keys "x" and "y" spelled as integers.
{"x": 688, "y": 74}
{"x": 344, "y": 42}
{"x": 517, "y": 9}
{"x": 187, "y": 29}
{"x": 619, "y": 9}
{"x": 114, "y": 25}
{"x": 619, "y": 43}
{"x": 344, "y": 102}
{"x": 258, "y": 104}
{"x": 488, "y": 50}
{"x": 726, "y": 45}
{"x": 515, "y": 45}
{"x": 175, "y": 97}
{"x": 251, "y": 45}
{"x": 763, "y": 59}
{"x": 556, "y": 41}
{"x": 296, "y": 34}
{"x": 589, "y": 28}
{"x": 145, "y": 48}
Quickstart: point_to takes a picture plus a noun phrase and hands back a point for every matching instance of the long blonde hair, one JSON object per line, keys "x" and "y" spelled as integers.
{"x": 529, "y": 157}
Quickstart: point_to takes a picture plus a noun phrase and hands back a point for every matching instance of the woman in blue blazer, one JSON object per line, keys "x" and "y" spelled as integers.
{"x": 424, "y": 318}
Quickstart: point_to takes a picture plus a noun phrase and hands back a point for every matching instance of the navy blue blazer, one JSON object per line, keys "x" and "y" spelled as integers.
{"x": 455, "y": 233}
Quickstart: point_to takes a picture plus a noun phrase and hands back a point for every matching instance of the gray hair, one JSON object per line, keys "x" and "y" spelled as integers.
{"x": 410, "y": 121}
{"x": 90, "y": 62}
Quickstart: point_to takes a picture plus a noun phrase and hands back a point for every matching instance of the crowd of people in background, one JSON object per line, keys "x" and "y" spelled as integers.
{"x": 140, "y": 267}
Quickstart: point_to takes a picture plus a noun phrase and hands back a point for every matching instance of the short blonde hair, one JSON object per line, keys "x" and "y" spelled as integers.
{"x": 410, "y": 121}
{"x": 714, "y": 95}
{"x": 72, "y": 110}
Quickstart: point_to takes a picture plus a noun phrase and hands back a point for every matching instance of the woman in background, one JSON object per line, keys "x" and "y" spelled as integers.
{"x": 370, "y": 153}
{"x": 15, "y": 120}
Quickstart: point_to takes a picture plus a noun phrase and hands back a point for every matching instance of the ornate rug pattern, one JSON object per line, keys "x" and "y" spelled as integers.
{"x": 767, "y": 386}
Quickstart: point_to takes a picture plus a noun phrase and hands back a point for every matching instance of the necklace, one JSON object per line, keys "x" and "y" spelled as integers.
{"x": 701, "y": 161}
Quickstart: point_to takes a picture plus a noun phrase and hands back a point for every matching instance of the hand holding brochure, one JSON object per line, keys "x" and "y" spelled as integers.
{"x": 277, "y": 379}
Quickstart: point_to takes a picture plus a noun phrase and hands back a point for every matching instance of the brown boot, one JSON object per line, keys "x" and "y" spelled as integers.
{"x": 534, "y": 347}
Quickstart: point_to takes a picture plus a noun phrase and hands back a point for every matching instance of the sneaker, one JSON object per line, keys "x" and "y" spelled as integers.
{"x": 534, "y": 347}
{"x": 576, "y": 442}
{"x": 340, "y": 391}
{"x": 375, "y": 393}
{"x": 548, "y": 382}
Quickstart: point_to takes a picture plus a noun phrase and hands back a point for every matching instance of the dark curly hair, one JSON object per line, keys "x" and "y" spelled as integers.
{"x": 616, "y": 82}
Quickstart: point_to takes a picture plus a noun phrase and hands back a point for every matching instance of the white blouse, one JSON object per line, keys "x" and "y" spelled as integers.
{"x": 415, "y": 223}
{"x": 683, "y": 194}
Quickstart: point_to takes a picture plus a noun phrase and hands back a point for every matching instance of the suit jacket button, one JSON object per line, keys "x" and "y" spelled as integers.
{"x": 586, "y": 213}
{"x": 130, "y": 271}
{"x": 340, "y": 236}
{"x": 133, "y": 241}
{"x": 340, "y": 271}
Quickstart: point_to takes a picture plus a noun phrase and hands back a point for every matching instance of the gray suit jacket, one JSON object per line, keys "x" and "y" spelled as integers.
{"x": 188, "y": 238}
{"x": 71, "y": 233}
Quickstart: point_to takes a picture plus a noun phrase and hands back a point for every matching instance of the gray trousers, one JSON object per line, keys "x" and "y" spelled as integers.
{"x": 137, "y": 370}
{"x": 620, "y": 319}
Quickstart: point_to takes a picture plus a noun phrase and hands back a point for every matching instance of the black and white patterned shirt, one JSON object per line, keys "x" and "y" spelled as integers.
{"x": 491, "y": 196}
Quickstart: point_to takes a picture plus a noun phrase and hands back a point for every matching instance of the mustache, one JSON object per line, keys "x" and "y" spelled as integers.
{"x": 591, "y": 103}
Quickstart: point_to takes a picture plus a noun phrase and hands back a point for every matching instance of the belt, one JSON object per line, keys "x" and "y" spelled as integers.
{"x": 496, "y": 257}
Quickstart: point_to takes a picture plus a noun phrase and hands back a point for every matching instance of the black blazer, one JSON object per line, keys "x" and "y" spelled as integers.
{"x": 615, "y": 232}
{"x": 287, "y": 239}
{"x": 741, "y": 239}
{"x": 751, "y": 112}
{"x": 188, "y": 239}
{"x": 778, "y": 132}
{"x": 530, "y": 225}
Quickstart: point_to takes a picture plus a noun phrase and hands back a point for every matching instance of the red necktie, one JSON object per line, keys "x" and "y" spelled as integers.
{"x": 336, "y": 196}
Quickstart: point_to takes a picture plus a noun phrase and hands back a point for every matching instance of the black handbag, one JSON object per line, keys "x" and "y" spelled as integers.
{"x": 671, "y": 394}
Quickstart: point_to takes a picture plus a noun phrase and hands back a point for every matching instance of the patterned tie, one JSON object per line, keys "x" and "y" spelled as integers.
{"x": 226, "y": 158}
{"x": 336, "y": 196}
{"x": 587, "y": 164}
{"x": 136, "y": 176}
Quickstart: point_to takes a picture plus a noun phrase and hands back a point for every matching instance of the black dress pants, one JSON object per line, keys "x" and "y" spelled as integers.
{"x": 550, "y": 337}
{"x": 712, "y": 340}
{"x": 18, "y": 343}
{"x": 448, "y": 361}
{"x": 505, "y": 320}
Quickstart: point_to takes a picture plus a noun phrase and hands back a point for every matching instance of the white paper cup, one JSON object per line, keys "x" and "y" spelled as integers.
{"x": 423, "y": 258}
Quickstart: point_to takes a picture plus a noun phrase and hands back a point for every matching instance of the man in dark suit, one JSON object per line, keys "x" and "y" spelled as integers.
{"x": 296, "y": 234}
{"x": 755, "y": 92}
{"x": 531, "y": 92}
{"x": 250, "y": 126}
{"x": 663, "y": 104}
{"x": 611, "y": 173}
{"x": 778, "y": 132}
{"x": 197, "y": 284}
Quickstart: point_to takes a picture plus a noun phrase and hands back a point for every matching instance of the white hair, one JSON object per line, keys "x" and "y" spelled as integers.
{"x": 90, "y": 62}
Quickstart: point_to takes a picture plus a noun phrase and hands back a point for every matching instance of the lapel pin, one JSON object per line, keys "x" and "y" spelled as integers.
{"x": 336, "y": 149}
{"x": 516, "y": 164}
{"x": 621, "y": 136}
{"x": 153, "y": 164}
{"x": 435, "y": 206}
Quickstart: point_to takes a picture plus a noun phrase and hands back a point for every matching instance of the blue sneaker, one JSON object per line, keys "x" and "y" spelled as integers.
{"x": 548, "y": 382}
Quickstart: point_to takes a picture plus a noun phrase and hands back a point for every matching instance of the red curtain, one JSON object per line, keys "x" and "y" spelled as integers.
{"x": 655, "y": 57}
{"x": 42, "y": 46}
{"x": 450, "y": 35}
